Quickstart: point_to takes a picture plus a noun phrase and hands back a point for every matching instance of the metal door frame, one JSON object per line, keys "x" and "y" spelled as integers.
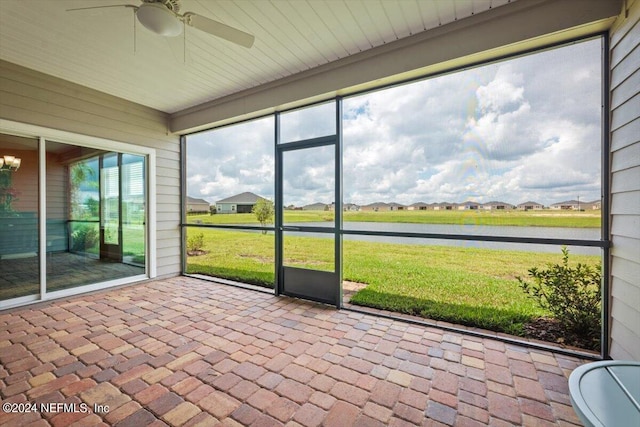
{"x": 315, "y": 281}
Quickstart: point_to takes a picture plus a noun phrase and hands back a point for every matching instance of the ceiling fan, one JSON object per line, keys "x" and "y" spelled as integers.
{"x": 163, "y": 18}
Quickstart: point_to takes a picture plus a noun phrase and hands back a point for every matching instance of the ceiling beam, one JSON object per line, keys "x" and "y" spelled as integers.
{"x": 518, "y": 26}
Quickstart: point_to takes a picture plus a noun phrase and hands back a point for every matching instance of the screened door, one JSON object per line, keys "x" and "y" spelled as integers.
{"x": 308, "y": 209}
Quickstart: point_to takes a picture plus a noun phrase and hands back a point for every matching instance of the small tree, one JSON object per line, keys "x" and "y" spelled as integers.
{"x": 571, "y": 294}
{"x": 79, "y": 173}
{"x": 93, "y": 206}
{"x": 264, "y": 211}
{"x": 195, "y": 243}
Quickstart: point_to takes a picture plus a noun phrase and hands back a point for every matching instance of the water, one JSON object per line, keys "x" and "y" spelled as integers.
{"x": 473, "y": 230}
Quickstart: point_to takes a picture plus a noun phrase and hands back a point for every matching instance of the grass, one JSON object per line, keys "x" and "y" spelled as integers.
{"x": 468, "y": 286}
{"x": 545, "y": 218}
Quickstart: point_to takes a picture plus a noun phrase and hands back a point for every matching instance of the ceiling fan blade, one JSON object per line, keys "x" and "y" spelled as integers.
{"x": 102, "y": 7}
{"x": 219, "y": 29}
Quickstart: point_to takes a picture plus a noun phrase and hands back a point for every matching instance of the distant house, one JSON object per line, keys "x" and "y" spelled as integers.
{"x": 530, "y": 206}
{"x": 197, "y": 205}
{"x": 240, "y": 203}
{"x": 468, "y": 205}
{"x": 500, "y": 206}
{"x": 596, "y": 204}
{"x": 577, "y": 205}
{"x": 445, "y": 206}
{"x": 567, "y": 205}
{"x": 350, "y": 207}
{"x": 376, "y": 207}
{"x": 316, "y": 207}
{"x": 396, "y": 207}
{"x": 419, "y": 206}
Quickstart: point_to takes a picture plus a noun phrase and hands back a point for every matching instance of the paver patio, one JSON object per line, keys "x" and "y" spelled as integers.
{"x": 187, "y": 352}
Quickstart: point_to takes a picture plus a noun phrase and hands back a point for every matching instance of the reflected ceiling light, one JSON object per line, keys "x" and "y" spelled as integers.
{"x": 9, "y": 163}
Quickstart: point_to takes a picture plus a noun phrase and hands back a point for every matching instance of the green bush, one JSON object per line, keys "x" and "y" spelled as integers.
{"x": 571, "y": 294}
{"x": 84, "y": 238}
{"x": 195, "y": 243}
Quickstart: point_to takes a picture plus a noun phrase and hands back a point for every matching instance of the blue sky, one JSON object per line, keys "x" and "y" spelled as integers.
{"x": 524, "y": 129}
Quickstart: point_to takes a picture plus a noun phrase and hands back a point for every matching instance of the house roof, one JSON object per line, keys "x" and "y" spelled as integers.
{"x": 193, "y": 200}
{"x": 567, "y": 202}
{"x": 242, "y": 198}
{"x": 315, "y": 205}
{"x": 529, "y": 204}
{"x": 496, "y": 203}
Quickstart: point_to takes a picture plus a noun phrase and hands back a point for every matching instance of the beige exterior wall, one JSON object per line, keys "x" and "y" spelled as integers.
{"x": 34, "y": 98}
{"x": 625, "y": 183}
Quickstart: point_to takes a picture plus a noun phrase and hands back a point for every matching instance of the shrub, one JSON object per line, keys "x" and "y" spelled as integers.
{"x": 84, "y": 238}
{"x": 264, "y": 211}
{"x": 571, "y": 294}
{"x": 195, "y": 243}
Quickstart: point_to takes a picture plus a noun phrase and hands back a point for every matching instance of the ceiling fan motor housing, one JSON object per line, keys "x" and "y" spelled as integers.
{"x": 172, "y": 5}
{"x": 157, "y": 18}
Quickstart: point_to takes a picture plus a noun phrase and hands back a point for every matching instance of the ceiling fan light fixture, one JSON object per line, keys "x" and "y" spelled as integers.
{"x": 157, "y": 18}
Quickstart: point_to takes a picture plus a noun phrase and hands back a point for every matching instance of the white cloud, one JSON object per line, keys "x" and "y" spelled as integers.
{"x": 524, "y": 129}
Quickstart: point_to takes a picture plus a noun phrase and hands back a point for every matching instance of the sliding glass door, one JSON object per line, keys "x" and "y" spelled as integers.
{"x": 19, "y": 268}
{"x": 73, "y": 218}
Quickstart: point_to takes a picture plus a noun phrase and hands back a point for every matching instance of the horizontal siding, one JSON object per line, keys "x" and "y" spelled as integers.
{"x": 627, "y": 203}
{"x": 626, "y": 112}
{"x": 626, "y": 135}
{"x": 626, "y": 225}
{"x": 622, "y": 44}
{"x": 625, "y": 180}
{"x": 167, "y": 198}
{"x": 627, "y": 271}
{"x": 627, "y": 89}
{"x": 169, "y": 208}
{"x": 56, "y": 189}
{"x": 55, "y": 87}
{"x": 626, "y": 344}
{"x": 32, "y": 97}
{"x": 626, "y": 157}
{"x": 23, "y": 95}
{"x": 625, "y": 185}
{"x": 167, "y": 189}
{"x": 626, "y": 314}
{"x": 166, "y": 163}
{"x": 626, "y": 248}
{"x": 622, "y": 70}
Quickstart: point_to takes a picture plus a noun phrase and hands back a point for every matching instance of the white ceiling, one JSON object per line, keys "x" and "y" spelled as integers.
{"x": 95, "y": 48}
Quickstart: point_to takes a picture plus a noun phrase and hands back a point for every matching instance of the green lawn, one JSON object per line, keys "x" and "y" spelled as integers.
{"x": 475, "y": 287}
{"x": 546, "y": 218}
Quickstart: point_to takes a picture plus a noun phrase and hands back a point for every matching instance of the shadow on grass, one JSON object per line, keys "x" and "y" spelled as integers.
{"x": 493, "y": 319}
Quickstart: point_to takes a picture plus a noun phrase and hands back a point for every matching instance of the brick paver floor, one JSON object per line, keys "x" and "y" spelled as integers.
{"x": 186, "y": 352}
